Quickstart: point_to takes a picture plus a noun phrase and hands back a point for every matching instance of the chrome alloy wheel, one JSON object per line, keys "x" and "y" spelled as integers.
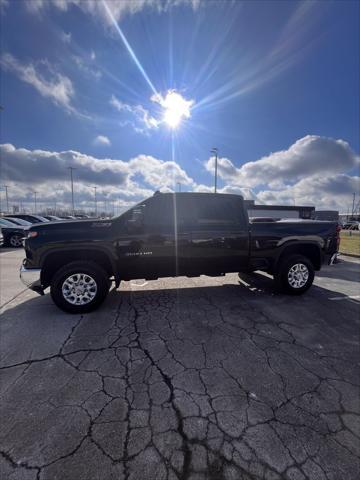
{"x": 79, "y": 289}
{"x": 16, "y": 241}
{"x": 298, "y": 275}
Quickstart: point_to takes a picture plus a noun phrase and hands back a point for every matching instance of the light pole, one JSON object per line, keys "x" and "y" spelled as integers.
{"x": 95, "y": 198}
{"x": 35, "y": 204}
{"x": 72, "y": 188}
{"x": 353, "y": 204}
{"x": 179, "y": 185}
{"x": 7, "y": 197}
{"x": 215, "y": 152}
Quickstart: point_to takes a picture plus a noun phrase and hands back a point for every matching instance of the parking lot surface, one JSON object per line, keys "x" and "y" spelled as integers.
{"x": 205, "y": 378}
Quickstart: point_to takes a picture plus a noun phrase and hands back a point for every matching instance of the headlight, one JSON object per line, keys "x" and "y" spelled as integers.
{"x": 32, "y": 234}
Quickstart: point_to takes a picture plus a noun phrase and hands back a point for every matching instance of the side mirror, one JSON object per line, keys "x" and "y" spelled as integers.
{"x": 136, "y": 221}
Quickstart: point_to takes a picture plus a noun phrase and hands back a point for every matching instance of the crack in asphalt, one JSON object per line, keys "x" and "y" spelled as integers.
{"x": 189, "y": 384}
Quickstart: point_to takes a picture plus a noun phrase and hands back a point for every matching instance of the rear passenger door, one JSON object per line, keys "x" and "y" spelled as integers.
{"x": 220, "y": 241}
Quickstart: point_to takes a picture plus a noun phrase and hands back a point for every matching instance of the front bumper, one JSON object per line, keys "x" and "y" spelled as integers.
{"x": 31, "y": 278}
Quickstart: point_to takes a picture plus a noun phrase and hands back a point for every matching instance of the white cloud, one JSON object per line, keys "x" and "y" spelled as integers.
{"x": 53, "y": 85}
{"x": 119, "y": 8}
{"x": 136, "y": 178}
{"x": 85, "y": 67}
{"x": 307, "y": 156}
{"x": 140, "y": 118}
{"x": 312, "y": 171}
{"x": 324, "y": 191}
{"x": 92, "y": 55}
{"x": 102, "y": 140}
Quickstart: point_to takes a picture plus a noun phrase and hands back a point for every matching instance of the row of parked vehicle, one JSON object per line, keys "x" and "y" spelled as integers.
{"x": 13, "y": 227}
{"x": 351, "y": 225}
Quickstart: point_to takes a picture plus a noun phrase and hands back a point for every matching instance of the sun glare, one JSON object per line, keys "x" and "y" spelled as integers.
{"x": 176, "y": 108}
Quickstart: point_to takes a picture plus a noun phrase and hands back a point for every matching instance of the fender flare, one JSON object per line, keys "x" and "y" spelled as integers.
{"x": 71, "y": 250}
{"x": 297, "y": 243}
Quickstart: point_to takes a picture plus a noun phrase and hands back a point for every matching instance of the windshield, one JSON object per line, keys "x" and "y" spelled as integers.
{"x": 20, "y": 221}
{"x": 6, "y": 223}
{"x": 40, "y": 218}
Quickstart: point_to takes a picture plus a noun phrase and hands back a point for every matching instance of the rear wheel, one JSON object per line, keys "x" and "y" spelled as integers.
{"x": 79, "y": 287}
{"x": 295, "y": 274}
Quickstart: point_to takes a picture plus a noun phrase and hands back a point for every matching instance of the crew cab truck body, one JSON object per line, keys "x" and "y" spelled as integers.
{"x": 171, "y": 234}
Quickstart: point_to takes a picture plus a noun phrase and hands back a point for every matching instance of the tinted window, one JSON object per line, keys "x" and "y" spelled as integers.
{"x": 218, "y": 211}
{"x": 159, "y": 212}
{"x": 162, "y": 211}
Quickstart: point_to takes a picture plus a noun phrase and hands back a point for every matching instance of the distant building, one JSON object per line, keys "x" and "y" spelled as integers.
{"x": 279, "y": 211}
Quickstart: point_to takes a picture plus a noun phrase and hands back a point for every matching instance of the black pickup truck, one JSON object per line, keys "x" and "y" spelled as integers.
{"x": 169, "y": 235}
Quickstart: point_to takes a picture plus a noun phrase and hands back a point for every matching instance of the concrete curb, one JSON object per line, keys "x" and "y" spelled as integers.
{"x": 349, "y": 255}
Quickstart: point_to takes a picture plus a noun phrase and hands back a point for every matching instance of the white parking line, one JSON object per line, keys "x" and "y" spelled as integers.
{"x": 346, "y": 297}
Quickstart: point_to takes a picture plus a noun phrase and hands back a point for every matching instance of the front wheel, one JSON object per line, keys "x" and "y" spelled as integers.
{"x": 16, "y": 240}
{"x": 294, "y": 275}
{"x": 79, "y": 287}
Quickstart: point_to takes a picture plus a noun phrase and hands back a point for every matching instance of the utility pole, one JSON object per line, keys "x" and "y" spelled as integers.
{"x": 95, "y": 198}
{"x": 215, "y": 152}
{"x": 179, "y": 186}
{"x": 72, "y": 189}
{"x": 7, "y": 197}
{"x": 35, "y": 204}
{"x": 353, "y": 205}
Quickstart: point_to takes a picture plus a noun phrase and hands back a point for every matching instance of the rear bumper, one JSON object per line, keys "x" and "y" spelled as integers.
{"x": 31, "y": 278}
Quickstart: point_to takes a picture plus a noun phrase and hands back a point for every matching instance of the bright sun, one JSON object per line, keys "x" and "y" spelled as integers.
{"x": 176, "y": 108}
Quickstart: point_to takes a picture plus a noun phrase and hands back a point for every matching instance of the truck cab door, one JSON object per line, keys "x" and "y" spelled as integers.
{"x": 220, "y": 237}
{"x": 151, "y": 243}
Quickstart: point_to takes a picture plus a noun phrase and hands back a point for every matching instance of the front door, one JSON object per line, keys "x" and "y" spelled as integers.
{"x": 159, "y": 247}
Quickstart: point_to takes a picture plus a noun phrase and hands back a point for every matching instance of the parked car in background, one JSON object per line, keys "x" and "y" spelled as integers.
{"x": 18, "y": 221}
{"x": 52, "y": 218}
{"x": 13, "y": 234}
{"x": 29, "y": 218}
{"x": 351, "y": 225}
{"x": 1, "y": 238}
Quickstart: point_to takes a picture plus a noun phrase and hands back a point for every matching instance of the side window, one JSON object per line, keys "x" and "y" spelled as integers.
{"x": 163, "y": 211}
{"x": 218, "y": 212}
{"x": 159, "y": 213}
{"x": 185, "y": 212}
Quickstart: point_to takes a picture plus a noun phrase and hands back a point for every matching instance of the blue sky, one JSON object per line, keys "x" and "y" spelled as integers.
{"x": 275, "y": 83}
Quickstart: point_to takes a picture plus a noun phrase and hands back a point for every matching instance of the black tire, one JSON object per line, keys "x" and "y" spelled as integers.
{"x": 89, "y": 270}
{"x": 284, "y": 276}
{"x": 15, "y": 240}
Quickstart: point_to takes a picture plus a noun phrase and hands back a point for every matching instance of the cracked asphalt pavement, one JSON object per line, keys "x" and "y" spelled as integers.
{"x": 188, "y": 379}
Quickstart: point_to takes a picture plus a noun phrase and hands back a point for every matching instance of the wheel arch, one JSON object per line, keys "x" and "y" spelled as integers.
{"x": 310, "y": 250}
{"x": 56, "y": 259}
